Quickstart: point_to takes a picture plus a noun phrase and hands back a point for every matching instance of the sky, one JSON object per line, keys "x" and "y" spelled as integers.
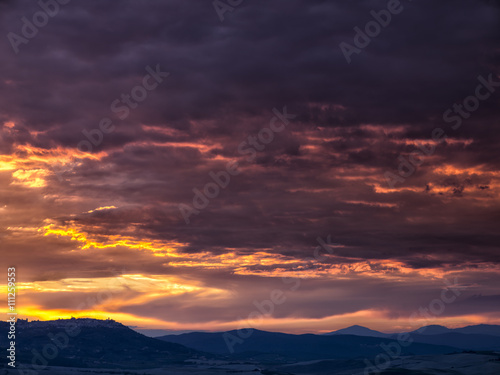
{"x": 204, "y": 166}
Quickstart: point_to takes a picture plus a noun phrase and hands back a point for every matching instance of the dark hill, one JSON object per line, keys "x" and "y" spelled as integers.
{"x": 261, "y": 344}
{"x": 461, "y": 340}
{"x": 358, "y": 331}
{"x": 432, "y": 330}
{"x": 480, "y": 329}
{"x": 91, "y": 343}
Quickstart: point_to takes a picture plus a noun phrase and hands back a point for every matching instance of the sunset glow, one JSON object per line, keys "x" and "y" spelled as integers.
{"x": 170, "y": 170}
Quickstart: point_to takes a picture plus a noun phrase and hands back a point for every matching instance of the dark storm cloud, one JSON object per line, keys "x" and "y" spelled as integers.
{"x": 237, "y": 68}
{"x": 322, "y": 175}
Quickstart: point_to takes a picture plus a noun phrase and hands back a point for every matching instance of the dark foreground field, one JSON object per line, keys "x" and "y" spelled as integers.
{"x": 453, "y": 364}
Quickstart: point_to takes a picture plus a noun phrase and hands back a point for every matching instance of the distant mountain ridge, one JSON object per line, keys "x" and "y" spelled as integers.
{"x": 479, "y": 329}
{"x": 349, "y": 342}
{"x": 272, "y": 345}
{"x": 358, "y": 331}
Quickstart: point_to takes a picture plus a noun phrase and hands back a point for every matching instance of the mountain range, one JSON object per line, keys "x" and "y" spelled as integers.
{"x": 351, "y": 342}
{"x": 106, "y": 344}
{"x": 475, "y": 337}
{"x": 265, "y": 345}
{"x": 480, "y": 329}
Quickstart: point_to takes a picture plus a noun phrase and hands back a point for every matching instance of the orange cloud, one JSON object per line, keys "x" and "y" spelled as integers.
{"x": 31, "y": 166}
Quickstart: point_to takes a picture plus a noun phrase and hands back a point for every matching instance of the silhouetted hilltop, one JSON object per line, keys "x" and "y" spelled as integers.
{"x": 91, "y": 343}
{"x": 62, "y": 323}
{"x": 358, "y": 331}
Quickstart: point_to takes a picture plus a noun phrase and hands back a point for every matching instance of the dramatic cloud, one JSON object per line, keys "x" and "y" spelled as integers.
{"x": 198, "y": 161}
